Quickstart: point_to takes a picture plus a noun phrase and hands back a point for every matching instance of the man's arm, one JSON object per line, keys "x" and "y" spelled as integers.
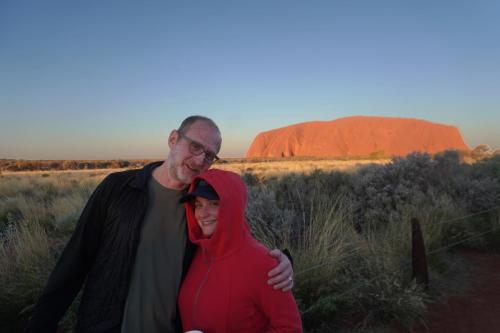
{"x": 281, "y": 277}
{"x": 72, "y": 267}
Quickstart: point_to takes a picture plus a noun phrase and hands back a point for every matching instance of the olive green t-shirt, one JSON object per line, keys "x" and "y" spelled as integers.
{"x": 156, "y": 277}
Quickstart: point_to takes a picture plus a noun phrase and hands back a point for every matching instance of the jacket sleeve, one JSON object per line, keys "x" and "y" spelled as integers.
{"x": 68, "y": 276}
{"x": 279, "y": 307}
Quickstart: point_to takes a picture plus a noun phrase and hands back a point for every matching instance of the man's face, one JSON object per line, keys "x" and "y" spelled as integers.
{"x": 183, "y": 165}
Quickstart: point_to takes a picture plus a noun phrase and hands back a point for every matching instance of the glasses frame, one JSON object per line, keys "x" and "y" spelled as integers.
{"x": 202, "y": 150}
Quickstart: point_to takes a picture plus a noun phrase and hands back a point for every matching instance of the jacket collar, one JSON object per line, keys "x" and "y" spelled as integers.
{"x": 141, "y": 178}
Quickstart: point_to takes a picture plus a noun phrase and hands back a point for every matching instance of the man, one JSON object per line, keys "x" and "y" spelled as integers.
{"x": 130, "y": 245}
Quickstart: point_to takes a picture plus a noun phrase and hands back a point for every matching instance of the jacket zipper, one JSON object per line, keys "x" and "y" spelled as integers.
{"x": 198, "y": 291}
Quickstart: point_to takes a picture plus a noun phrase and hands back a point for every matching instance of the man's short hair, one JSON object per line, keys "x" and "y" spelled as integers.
{"x": 186, "y": 123}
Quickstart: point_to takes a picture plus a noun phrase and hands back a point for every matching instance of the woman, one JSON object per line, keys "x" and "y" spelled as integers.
{"x": 225, "y": 289}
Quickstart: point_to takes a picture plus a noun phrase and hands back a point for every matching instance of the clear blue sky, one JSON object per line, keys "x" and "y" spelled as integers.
{"x": 110, "y": 79}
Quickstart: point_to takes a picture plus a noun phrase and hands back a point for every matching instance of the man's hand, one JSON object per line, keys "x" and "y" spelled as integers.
{"x": 281, "y": 276}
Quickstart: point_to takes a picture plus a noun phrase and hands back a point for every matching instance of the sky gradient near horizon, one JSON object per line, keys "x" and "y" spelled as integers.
{"x": 111, "y": 79}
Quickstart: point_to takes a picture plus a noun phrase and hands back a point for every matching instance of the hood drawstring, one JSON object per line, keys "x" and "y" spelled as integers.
{"x": 206, "y": 256}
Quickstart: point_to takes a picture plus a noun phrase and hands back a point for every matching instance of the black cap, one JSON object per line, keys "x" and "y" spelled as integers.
{"x": 202, "y": 189}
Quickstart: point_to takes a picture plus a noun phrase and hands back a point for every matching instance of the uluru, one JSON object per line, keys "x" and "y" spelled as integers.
{"x": 357, "y": 136}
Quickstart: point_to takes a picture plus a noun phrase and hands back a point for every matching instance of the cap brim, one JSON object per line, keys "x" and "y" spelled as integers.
{"x": 191, "y": 196}
{"x": 188, "y": 197}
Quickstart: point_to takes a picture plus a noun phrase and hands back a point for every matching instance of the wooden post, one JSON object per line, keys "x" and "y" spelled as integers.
{"x": 418, "y": 254}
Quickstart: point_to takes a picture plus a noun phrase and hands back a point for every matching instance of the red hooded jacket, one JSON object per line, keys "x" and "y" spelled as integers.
{"x": 226, "y": 290}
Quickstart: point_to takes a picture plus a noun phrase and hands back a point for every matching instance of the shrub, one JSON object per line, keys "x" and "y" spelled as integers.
{"x": 480, "y": 152}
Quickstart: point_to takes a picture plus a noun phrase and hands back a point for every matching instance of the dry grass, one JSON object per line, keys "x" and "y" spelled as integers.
{"x": 277, "y": 167}
{"x": 62, "y": 172}
{"x": 270, "y": 167}
{"x": 343, "y": 278}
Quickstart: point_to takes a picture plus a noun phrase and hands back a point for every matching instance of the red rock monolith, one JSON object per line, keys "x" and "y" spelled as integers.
{"x": 358, "y": 136}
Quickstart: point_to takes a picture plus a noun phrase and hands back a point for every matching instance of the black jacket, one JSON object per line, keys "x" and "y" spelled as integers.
{"x": 100, "y": 253}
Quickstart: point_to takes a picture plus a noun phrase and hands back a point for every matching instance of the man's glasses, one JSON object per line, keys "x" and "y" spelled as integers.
{"x": 197, "y": 148}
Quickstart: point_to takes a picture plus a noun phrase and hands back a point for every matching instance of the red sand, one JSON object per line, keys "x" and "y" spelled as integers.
{"x": 475, "y": 310}
{"x": 357, "y": 136}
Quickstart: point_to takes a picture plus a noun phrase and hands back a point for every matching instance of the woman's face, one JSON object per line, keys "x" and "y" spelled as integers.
{"x": 206, "y": 212}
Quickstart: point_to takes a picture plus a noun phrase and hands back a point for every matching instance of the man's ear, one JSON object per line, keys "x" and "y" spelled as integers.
{"x": 172, "y": 138}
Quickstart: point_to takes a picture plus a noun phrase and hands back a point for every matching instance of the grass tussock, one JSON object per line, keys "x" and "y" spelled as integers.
{"x": 26, "y": 257}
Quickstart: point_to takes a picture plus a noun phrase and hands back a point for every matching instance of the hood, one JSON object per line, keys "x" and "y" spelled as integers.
{"x": 232, "y": 230}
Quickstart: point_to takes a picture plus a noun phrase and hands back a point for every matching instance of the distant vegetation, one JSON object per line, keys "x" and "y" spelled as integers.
{"x": 49, "y": 165}
{"x": 348, "y": 231}
{"x": 13, "y": 165}
{"x": 483, "y": 151}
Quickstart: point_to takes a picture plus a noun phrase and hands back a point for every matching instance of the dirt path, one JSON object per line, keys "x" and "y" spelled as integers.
{"x": 478, "y": 308}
